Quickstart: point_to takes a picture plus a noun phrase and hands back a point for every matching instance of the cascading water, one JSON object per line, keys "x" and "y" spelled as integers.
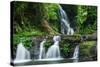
{"x": 76, "y": 54}
{"x": 53, "y": 51}
{"x": 66, "y": 29}
{"x": 65, "y": 26}
{"x": 22, "y": 54}
{"x": 42, "y": 50}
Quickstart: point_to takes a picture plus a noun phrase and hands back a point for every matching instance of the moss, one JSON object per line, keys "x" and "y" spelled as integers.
{"x": 85, "y": 50}
{"x": 66, "y": 48}
{"x": 48, "y": 43}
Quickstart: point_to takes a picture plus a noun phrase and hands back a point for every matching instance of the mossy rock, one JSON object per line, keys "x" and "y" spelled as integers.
{"x": 88, "y": 51}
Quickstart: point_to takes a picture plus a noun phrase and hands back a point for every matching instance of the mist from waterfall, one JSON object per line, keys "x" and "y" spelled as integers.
{"x": 22, "y": 54}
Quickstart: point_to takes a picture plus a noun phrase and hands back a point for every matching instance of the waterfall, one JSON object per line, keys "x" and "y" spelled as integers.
{"x": 42, "y": 49}
{"x": 65, "y": 26}
{"x": 66, "y": 29}
{"x": 22, "y": 54}
{"x": 76, "y": 54}
{"x": 54, "y": 51}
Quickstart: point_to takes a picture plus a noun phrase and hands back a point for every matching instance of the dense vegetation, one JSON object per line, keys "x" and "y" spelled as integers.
{"x": 32, "y": 19}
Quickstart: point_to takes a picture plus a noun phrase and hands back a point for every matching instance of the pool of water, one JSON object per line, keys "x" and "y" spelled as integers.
{"x": 48, "y": 61}
{"x": 44, "y": 61}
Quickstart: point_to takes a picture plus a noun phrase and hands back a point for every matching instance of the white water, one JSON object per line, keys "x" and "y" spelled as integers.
{"x": 66, "y": 29}
{"x": 76, "y": 54}
{"x": 22, "y": 54}
{"x": 54, "y": 51}
{"x": 65, "y": 26}
{"x": 42, "y": 49}
{"x": 49, "y": 59}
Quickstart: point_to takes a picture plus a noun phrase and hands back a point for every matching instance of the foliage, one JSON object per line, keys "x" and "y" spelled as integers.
{"x": 25, "y": 40}
{"x": 48, "y": 43}
{"x": 82, "y": 13}
{"x": 85, "y": 50}
{"x": 86, "y": 19}
{"x": 28, "y": 18}
{"x": 25, "y": 16}
{"x": 66, "y": 48}
{"x": 52, "y": 10}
